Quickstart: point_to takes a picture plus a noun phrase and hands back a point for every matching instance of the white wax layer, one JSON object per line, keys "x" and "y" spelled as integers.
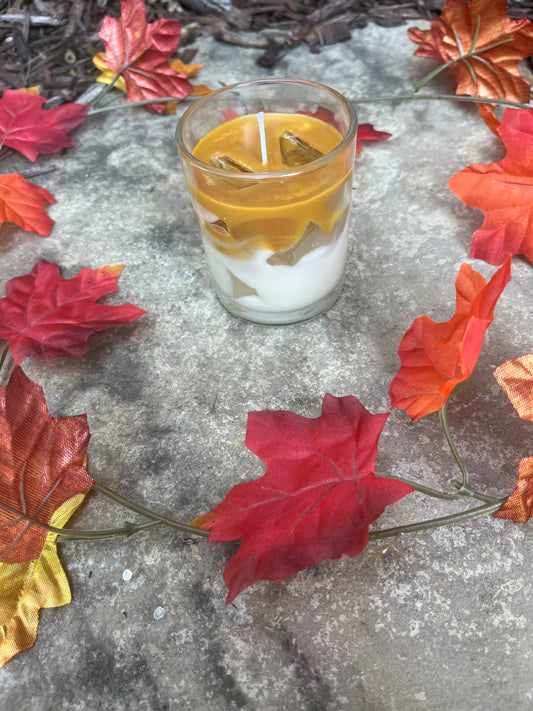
{"x": 280, "y": 288}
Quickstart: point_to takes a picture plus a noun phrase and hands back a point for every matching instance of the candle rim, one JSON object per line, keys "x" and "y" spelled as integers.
{"x": 263, "y": 175}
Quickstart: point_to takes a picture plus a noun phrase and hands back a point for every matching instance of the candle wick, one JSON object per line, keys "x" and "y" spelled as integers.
{"x": 262, "y": 136}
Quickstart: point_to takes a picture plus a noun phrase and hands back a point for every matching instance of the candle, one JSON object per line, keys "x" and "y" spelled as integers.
{"x": 273, "y": 207}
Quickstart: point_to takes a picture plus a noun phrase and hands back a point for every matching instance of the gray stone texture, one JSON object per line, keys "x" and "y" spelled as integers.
{"x": 438, "y": 623}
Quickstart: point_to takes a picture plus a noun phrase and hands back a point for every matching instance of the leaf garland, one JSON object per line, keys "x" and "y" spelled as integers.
{"x": 320, "y": 492}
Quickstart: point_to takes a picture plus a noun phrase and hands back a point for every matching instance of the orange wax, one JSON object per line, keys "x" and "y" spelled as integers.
{"x": 266, "y": 211}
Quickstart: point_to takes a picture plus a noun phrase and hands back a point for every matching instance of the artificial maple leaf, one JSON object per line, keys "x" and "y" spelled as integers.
{"x": 365, "y": 131}
{"x": 504, "y": 191}
{"x": 31, "y": 130}
{"x": 481, "y": 47}
{"x": 22, "y": 203}
{"x": 42, "y": 465}
{"x": 515, "y": 377}
{"x": 438, "y": 356}
{"x": 138, "y": 53}
{"x": 46, "y": 316}
{"x": 316, "y": 499}
{"x": 29, "y": 587}
{"x": 519, "y": 505}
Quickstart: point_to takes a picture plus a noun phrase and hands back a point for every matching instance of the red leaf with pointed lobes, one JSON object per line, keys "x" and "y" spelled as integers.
{"x": 316, "y": 499}
{"x": 31, "y": 130}
{"x": 365, "y": 131}
{"x": 42, "y": 465}
{"x": 504, "y": 191}
{"x": 438, "y": 356}
{"x": 139, "y": 52}
{"x": 22, "y": 203}
{"x": 46, "y": 316}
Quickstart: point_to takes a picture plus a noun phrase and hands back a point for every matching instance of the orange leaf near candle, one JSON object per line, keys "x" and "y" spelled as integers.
{"x": 438, "y": 356}
{"x": 22, "y": 203}
{"x": 504, "y": 191}
{"x": 481, "y": 48}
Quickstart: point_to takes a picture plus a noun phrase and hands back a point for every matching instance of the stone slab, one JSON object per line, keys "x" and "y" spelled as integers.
{"x": 438, "y": 623}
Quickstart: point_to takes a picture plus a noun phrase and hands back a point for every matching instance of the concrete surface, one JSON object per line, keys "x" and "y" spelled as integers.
{"x": 441, "y": 621}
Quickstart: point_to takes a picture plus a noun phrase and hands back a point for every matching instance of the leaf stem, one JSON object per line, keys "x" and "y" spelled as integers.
{"x": 79, "y": 534}
{"x": 3, "y": 355}
{"x": 148, "y": 513}
{"x": 133, "y": 104}
{"x": 438, "y": 522}
{"x": 443, "y": 417}
{"x": 438, "y": 97}
{"x": 423, "y": 489}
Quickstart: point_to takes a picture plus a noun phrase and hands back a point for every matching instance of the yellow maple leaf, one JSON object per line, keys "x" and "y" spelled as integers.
{"x": 29, "y": 587}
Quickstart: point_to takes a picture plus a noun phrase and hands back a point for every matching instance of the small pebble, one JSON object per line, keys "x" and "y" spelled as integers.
{"x": 159, "y": 613}
{"x": 126, "y": 575}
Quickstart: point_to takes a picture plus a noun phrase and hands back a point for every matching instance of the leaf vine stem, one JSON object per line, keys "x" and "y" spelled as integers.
{"x": 3, "y": 355}
{"x": 443, "y": 417}
{"x": 438, "y": 522}
{"x": 439, "y": 97}
{"x": 95, "y": 109}
{"x": 79, "y": 534}
{"x": 148, "y": 513}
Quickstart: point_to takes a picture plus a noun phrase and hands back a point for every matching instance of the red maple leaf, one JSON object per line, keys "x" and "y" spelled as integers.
{"x": 365, "y": 131}
{"x": 316, "y": 499}
{"x": 46, "y": 316}
{"x": 139, "y": 53}
{"x": 42, "y": 465}
{"x": 504, "y": 191}
{"x": 481, "y": 47}
{"x": 22, "y": 203}
{"x": 31, "y": 130}
{"x": 438, "y": 356}
{"x": 519, "y": 505}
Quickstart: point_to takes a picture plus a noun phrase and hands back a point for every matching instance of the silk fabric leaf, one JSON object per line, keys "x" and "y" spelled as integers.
{"x": 139, "y": 54}
{"x": 32, "y": 586}
{"x": 46, "y": 316}
{"x": 22, "y": 203}
{"x": 435, "y": 356}
{"x": 316, "y": 499}
{"x": 515, "y": 377}
{"x": 42, "y": 465}
{"x": 496, "y": 44}
{"x": 504, "y": 192}
{"x": 31, "y": 130}
{"x": 519, "y": 505}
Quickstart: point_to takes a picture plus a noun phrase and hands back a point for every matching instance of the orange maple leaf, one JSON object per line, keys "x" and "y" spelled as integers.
{"x": 481, "y": 48}
{"x": 504, "y": 191}
{"x": 519, "y": 505}
{"x": 138, "y": 53}
{"x": 515, "y": 377}
{"x": 22, "y": 202}
{"x": 438, "y": 356}
{"x": 42, "y": 465}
